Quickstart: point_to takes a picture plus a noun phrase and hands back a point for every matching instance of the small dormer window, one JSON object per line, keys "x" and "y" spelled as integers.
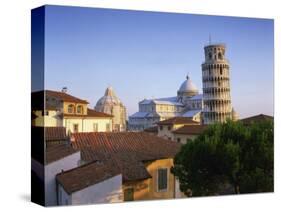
{"x": 79, "y": 109}
{"x": 70, "y": 108}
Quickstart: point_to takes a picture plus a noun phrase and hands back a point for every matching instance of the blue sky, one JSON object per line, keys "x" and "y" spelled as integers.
{"x": 148, "y": 54}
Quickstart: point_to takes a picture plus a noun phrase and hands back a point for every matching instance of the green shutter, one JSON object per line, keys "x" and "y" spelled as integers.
{"x": 162, "y": 179}
{"x": 129, "y": 194}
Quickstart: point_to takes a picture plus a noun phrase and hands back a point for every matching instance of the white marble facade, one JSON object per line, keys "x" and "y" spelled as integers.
{"x": 187, "y": 103}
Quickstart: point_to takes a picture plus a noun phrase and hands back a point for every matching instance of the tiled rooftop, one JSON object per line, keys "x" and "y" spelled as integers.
{"x": 57, "y": 152}
{"x": 178, "y": 120}
{"x": 128, "y": 149}
{"x": 190, "y": 129}
{"x": 257, "y": 118}
{"x": 55, "y": 134}
{"x": 86, "y": 175}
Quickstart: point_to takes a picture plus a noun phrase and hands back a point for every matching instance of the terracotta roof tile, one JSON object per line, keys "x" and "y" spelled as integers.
{"x": 153, "y": 129}
{"x": 190, "y": 129}
{"x": 128, "y": 149}
{"x": 65, "y": 97}
{"x": 57, "y": 152}
{"x": 257, "y": 118}
{"x": 39, "y": 95}
{"x": 55, "y": 134}
{"x": 178, "y": 120}
{"x": 81, "y": 177}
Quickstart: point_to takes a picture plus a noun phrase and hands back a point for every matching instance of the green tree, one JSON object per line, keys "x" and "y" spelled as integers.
{"x": 227, "y": 155}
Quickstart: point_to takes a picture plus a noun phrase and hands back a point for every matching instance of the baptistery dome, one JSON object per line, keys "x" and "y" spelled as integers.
{"x": 109, "y": 98}
{"x": 112, "y": 105}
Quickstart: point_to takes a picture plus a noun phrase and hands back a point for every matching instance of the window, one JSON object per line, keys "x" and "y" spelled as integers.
{"x": 79, "y": 109}
{"x": 107, "y": 127}
{"x": 95, "y": 127}
{"x": 70, "y": 109}
{"x": 129, "y": 194}
{"x": 117, "y": 127}
{"x": 210, "y": 56}
{"x": 169, "y": 128}
{"x": 220, "y": 70}
{"x": 162, "y": 179}
{"x": 161, "y": 127}
{"x": 75, "y": 128}
{"x": 220, "y": 56}
{"x": 178, "y": 140}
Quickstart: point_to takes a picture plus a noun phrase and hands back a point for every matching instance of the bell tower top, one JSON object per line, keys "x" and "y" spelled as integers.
{"x": 214, "y": 52}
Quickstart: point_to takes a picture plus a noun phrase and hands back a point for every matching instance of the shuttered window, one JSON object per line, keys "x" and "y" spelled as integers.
{"x": 95, "y": 127}
{"x": 107, "y": 127}
{"x": 162, "y": 179}
{"x": 129, "y": 194}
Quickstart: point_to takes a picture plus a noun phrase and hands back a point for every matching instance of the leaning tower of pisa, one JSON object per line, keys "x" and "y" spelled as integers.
{"x": 216, "y": 88}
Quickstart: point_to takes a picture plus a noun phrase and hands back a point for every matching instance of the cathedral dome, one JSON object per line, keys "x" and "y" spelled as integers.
{"x": 188, "y": 88}
{"x": 109, "y": 98}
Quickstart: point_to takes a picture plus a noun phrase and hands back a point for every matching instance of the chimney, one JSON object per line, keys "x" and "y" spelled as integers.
{"x": 64, "y": 90}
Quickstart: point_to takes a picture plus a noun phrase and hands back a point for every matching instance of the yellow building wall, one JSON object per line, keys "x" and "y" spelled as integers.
{"x": 87, "y": 124}
{"x": 84, "y": 124}
{"x": 148, "y": 189}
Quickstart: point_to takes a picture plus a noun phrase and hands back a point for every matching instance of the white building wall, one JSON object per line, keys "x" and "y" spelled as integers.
{"x": 63, "y": 197}
{"x": 51, "y": 170}
{"x": 178, "y": 193}
{"x": 165, "y": 132}
{"x": 108, "y": 191}
{"x": 158, "y": 112}
{"x": 183, "y": 138}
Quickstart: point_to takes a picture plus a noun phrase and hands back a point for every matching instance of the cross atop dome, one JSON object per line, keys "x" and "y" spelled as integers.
{"x": 187, "y": 76}
{"x": 187, "y": 88}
